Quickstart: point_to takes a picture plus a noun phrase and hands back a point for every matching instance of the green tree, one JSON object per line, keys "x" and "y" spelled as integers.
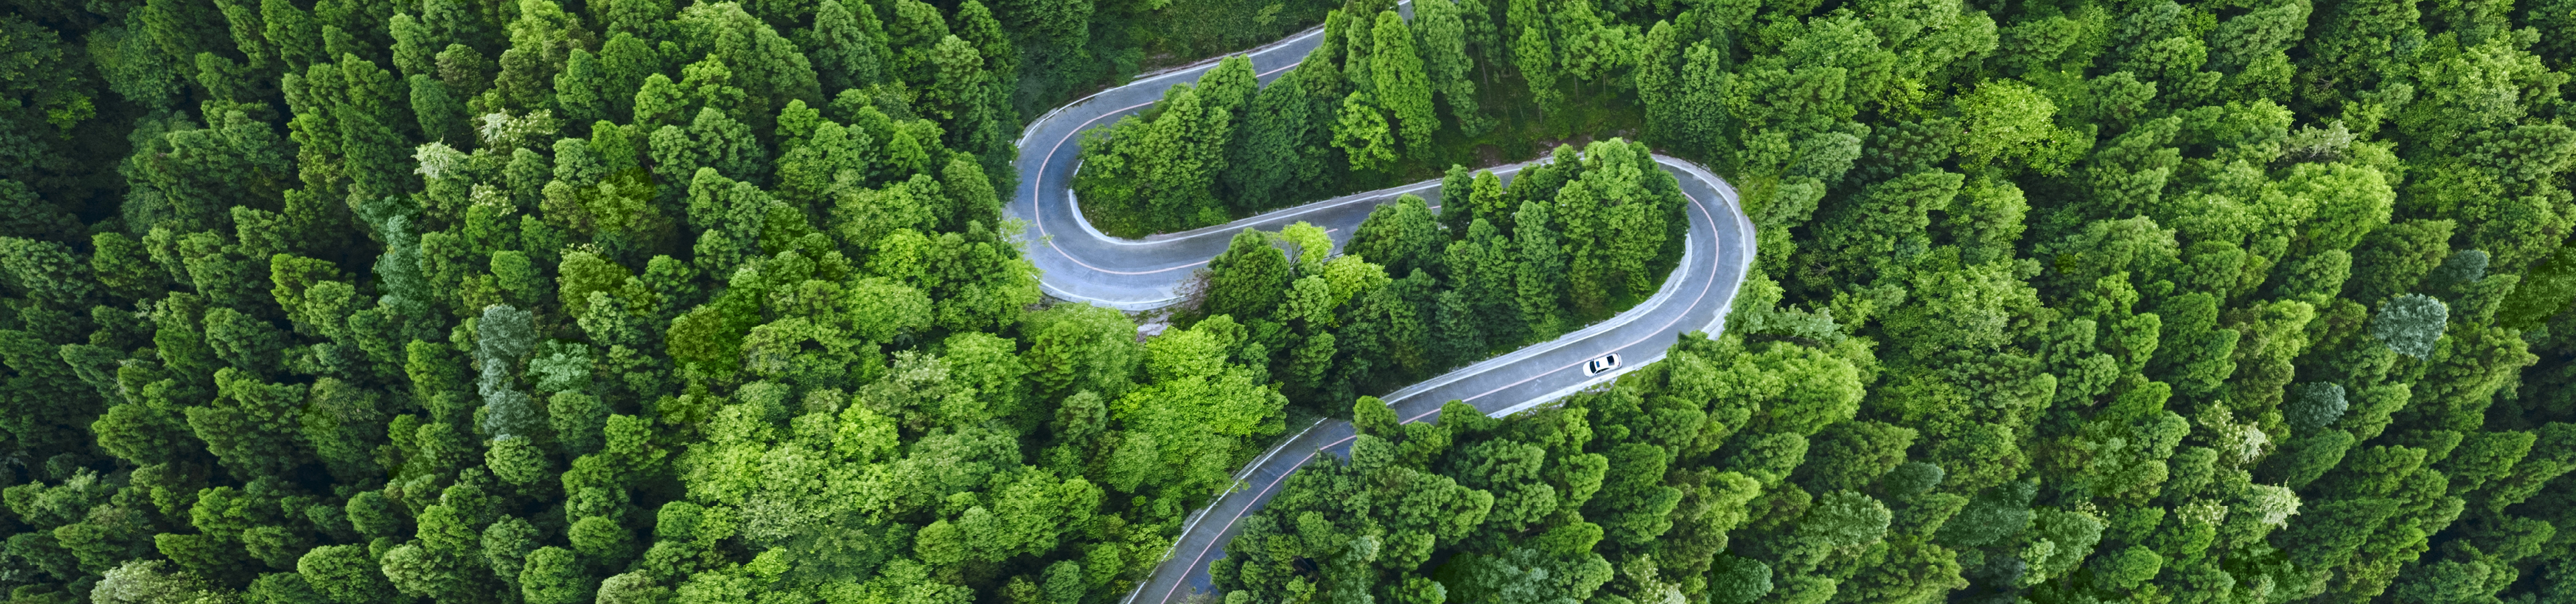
{"x": 2410, "y": 324}
{"x": 1080, "y": 347}
{"x": 553, "y": 576}
{"x": 1441, "y": 32}
{"x": 1540, "y": 279}
{"x": 1482, "y": 270}
{"x": 1284, "y": 137}
{"x": 1249, "y": 280}
{"x": 2353, "y": 48}
{"x": 1888, "y": 219}
{"x": 1401, "y": 236}
{"x": 2008, "y": 122}
{"x": 1363, "y": 135}
{"x": 849, "y": 46}
{"x": 1536, "y": 57}
{"x": 1456, "y": 338}
{"x": 1402, "y": 86}
{"x": 914, "y": 30}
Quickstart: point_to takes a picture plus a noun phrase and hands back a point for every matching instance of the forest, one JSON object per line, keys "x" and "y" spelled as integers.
{"x": 2077, "y": 302}
{"x": 651, "y": 302}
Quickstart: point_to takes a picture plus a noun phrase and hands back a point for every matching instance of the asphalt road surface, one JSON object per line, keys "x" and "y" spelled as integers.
{"x": 1080, "y": 263}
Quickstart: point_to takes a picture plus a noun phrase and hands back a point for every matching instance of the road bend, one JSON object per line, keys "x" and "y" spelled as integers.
{"x": 1079, "y": 263}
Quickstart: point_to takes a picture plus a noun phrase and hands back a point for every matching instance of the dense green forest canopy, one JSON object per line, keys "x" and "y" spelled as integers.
{"x": 528, "y": 301}
{"x": 637, "y": 302}
{"x": 2135, "y": 301}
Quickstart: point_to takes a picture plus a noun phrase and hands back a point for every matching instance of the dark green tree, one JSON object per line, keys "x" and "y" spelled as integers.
{"x": 1249, "y": 280}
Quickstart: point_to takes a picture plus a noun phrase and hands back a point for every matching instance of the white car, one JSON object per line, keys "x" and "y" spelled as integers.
{"x": 1605, "y": 363}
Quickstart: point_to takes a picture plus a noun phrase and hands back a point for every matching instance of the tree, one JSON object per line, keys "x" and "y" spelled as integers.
{"x": 1889, "y": 216}
{"x": 1456, "y": 338}
{"x": 1540, "y": 280}
{"x": 1362, "y": 133}
{"x": 1456, "y": 193}
{"x": 146, "y": 582}
{"x": 1249, "y": 280}
{"x": 2009, "y": 122}
{"x": 578, "y": 89}
{"x": 1441, "y": 33}
{"x": 975, "y": 24}
{"x": 2410, "y": 324}
{"x": 1229, "y": 87}
{"x": 1309, "y": 246}
{"x": 2315, "y": 406}
{"x": 1278, "y": 152}
{"x": 2353, "y": 47}
{"x": 1482, "y": 270}
{"x": 1986, "y": 220}
{"x": 956, "y": 87}
{"x": 1060, "y": 31}
{"x": 915, "y": 28}
{"x": 541, "y": 40}
{"x": 849, "y": 46}
{"x": 1536, "y": 57}
{"x": 1401, "y": 236}
{"x": 1403, "y": 88}
{"x": 344, "y": 574}
{"x": 1849, "y": 455}
{"x": 1079, "y": 347}
{"x": 1383, "y": 330}
{"x": 1633, "y": 505}
{"x": 2192, "y": 353}
{"x": 2127, "y": 568}
{"x": 2391, "y": 260}
{"x": 2253, "y": 49}
{"x": 1738, "y": 580}
{"x": 553, "y": 576}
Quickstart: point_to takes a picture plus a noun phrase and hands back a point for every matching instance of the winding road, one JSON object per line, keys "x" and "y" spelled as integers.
{"x": 1080, "y": 263}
